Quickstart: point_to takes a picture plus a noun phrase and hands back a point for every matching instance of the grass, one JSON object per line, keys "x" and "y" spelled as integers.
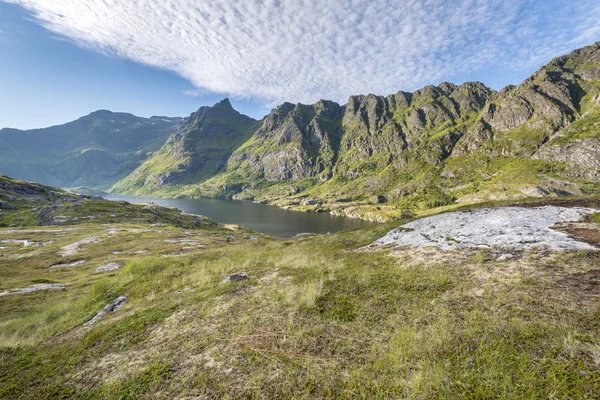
{"x": 318, "y": 319}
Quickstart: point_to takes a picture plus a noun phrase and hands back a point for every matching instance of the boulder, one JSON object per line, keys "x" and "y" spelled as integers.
{"x": 235, "y": 278}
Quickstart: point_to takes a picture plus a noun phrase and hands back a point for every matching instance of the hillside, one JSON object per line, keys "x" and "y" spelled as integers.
{"x": 95, "y": 151}
{"x": 440, "y": 145}
{"x": 103, "y": 300}
{"x": 197, "y": 150}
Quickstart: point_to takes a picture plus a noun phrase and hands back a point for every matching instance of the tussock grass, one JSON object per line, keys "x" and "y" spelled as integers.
{"x": 318, "y": 319}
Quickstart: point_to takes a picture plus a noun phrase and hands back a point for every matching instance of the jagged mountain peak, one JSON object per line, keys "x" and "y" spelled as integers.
{"x": 222, "y": 109}
{"x": 223, "y": 104}
{"x": 386, "y": 143}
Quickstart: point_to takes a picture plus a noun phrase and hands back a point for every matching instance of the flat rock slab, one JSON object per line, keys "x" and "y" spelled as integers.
{"x": 68, "y": 265}
{"x": 506, "y": 227}
{"x": 35, "y": 288}
{"x": 111, "y": 266}
{"x": 74, "y": 248}
{"x": 25, "y": 242}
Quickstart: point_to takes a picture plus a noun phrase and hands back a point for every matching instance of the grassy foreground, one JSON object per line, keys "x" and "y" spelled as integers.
{"x": 319, "y": 317}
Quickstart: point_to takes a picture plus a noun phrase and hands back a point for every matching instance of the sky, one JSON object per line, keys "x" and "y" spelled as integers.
{"x": 62, "y": 59}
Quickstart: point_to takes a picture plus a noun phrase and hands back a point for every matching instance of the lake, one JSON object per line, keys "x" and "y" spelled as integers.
{"x": 261, "y": 218}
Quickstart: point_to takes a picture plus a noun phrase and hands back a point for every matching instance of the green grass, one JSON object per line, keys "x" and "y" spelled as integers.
{"x": 318, "y": 319}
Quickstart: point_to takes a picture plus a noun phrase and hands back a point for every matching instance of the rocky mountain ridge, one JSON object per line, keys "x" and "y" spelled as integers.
{"x": 437, "y": 146}
{"x": 372, "y": 158}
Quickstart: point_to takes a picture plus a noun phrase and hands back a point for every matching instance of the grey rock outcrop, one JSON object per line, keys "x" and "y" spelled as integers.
{"x": 110, "y": 307}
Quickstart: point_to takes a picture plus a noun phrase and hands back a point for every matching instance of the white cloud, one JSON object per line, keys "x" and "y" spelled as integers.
{"x": 194, "y": 92}
{"x": 304, "y": 50}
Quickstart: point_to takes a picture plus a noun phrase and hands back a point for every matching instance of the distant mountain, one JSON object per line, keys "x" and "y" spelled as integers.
{"x": 197, "y": 150}
{"x": 96, "y": 150}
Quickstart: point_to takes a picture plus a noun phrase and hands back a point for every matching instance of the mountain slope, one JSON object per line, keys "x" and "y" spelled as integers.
{"x": 95, "y": 150}
{"x": 197, "y": 150}
{"x": 440, "y": 145}
{"x": 437, "y": 146}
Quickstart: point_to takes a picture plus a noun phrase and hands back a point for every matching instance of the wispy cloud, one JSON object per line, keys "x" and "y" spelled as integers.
{"x": 194, "y": 92}
{"x": 304, "y": 50}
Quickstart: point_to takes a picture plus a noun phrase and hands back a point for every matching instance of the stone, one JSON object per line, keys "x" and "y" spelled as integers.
{"x": 310, "y": 202}
{"x": 152, "y": 210}
{"x": 504, "y": 228}
{"x": 505, "y": 257}
{"x": 68, "y": 265}
{"x": 379, "y": 199}
{"x": 235, "y": 278}
{"x": 74, "y": 248}
{"x": 111, "y": 266}
{"x": 35, "y": 288}
{"x": 7, "y": 206}
{"x": 110, "y": 307}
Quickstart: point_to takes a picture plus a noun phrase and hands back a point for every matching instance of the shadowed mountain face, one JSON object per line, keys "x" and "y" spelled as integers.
{"x": 95, "y": 150}
{"x": 437, "y": 146}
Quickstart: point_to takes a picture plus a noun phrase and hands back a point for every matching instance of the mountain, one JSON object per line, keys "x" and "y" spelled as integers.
{"x": 370, "y": 158}
{"x": 198, "y": 149}
{"x": 437, "y": 146}
{"x": 96, "y": 150}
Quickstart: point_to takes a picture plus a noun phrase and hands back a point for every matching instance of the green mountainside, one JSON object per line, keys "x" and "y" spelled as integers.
{"x": 198, "y": 149}
{"x": 95, "y": 151}
{"x": 376, "y": 156}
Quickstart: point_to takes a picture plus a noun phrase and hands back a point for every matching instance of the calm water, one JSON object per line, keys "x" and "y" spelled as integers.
{"x": 259, "y": 217}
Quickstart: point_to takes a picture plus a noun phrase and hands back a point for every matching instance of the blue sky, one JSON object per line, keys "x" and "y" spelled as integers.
{"x": 62, "y": 59}
{"x": 47, "y": 80}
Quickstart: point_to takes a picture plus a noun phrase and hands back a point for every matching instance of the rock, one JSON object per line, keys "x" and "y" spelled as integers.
{"x": 582, "y": 155}
{"x": 190, "y": 243}
{"x": 310, "y": 202}
{"x": 141, "y": 252}
{"x": 35, "y": 288}
{"x": 111, "y": 266}
{"x": 505, "y": 257}
{"x": 110, "y": 307}
{"x": 153, "y": 210}
{"x": 68, "y": 265}
{"x": 379, "y": 199}
{"x": 505, "y": 227}
{"x": 73, "y": 248}
{"x": 7, "y": 206}
{"x": 24, "y": 242}
{"x": 235, "y": 278}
